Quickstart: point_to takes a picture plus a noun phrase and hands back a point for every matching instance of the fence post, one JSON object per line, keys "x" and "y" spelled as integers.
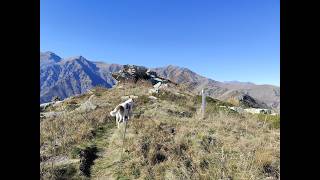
{"x": 203, "y": 106}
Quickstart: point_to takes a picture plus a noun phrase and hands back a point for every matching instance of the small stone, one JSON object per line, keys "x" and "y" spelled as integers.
{"x": 56, "y": 98}
{"x": 133, "y": 97}
{"x": 157, "y": 86}
{"x": 153, "y": 91}
{"x": 124, "y": 98}
{"x": 152, "y": 98}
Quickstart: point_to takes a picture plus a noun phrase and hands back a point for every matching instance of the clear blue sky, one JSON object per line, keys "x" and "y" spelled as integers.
{"x": 221, "y": 39}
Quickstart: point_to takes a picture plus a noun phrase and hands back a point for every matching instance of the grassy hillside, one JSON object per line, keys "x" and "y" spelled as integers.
{"x": 167, "y": 139}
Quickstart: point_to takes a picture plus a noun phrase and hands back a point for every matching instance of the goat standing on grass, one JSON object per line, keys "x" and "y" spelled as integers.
{"x": 123, "y": 111}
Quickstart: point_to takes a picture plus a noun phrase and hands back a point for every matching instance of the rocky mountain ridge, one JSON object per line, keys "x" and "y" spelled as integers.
{"x": 66, "y": 77}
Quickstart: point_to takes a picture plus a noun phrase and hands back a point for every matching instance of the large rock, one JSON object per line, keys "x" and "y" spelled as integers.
{"x": 258, "y": 111}
{"x": 133, "y": 72}
{"x": 238, "y": 109}
{"x": 56, "y": 98}
{"x": 88, "y": 105}
{"x": 51, "y": 114}
{"x": 44, "y": 106}
{"x": 249, "y": 101}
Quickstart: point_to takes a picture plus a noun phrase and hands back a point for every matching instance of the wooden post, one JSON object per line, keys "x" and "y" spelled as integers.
{"x": 203, "y": 106}
{"x": 124, "y": 137}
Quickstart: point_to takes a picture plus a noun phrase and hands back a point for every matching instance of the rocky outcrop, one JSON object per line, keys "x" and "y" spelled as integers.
{"x": 88, "y": 105}
{"x": 242, "y": 99}
{"x": 250, "y": 110}
{"x": 44, "y": 106}
{"x": 257, "y": 111}
{"x": 56, "y": 98}
{"x": 249, "y": 101}
{"x": 135, "y": 73}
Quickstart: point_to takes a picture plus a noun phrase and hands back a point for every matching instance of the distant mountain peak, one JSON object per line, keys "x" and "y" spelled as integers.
{"x": 48, "y": 53}
{"x": 71, "y": 76}
{"x": 49, "y": 56}
{"x": 81, "y": 57}
{"x": 76, "y": 74}
{"x": 172, "y": 66}
{"x": 76, "y": 58}
{"x": 176, "y": 67}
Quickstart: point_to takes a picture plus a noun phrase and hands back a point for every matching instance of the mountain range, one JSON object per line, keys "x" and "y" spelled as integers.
{"x": 66, "y": 77}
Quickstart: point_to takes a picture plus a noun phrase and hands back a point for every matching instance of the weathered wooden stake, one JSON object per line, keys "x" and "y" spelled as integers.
{"x": 124, "y": 137}
{"x": 203, "y": 106}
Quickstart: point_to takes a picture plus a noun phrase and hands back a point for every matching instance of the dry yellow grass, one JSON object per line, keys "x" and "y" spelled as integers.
{"x": 164, "y": 143}
{"x": 216, "y": 148}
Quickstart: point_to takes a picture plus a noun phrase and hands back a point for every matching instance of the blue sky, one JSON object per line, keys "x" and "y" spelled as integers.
{"x": 224, "y": 40}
